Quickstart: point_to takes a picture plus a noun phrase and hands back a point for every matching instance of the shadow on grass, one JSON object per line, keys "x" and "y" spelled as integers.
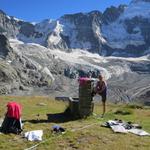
{"x": 55, "y": 118}
{"x": 60, "y": 117}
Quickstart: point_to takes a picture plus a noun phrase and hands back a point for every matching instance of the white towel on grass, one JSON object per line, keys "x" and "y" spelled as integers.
{"x": 35, "y": 135}
{"x": 139, "y": 132}
{"x": 118, "y": 129}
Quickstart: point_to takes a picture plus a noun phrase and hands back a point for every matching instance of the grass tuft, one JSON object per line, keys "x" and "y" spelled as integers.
{"x": 134, "y": 106}
{"x": 123, "y": 112}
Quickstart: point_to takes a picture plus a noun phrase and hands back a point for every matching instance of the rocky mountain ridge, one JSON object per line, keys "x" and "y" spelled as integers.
{"x": 118, "y": 31}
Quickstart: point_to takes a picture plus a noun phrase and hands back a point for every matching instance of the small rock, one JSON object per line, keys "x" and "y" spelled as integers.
{"x": 41, "y": 104}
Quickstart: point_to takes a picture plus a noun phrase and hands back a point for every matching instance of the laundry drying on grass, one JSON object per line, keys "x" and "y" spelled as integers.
{"x": 120, "y": 126}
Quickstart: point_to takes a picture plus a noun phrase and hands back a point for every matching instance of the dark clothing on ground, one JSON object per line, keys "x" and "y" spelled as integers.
{"x": 12, "y": 120}
{"x": 11, "y": 125}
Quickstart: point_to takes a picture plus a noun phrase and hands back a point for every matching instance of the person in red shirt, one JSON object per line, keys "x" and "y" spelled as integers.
{"x": 14, "y": 110}
{"x": 12, "y": 120}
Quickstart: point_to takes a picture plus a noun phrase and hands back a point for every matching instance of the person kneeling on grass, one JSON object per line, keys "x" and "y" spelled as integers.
{"x": 12, "y": 121}
{"x": 101, "y": 89}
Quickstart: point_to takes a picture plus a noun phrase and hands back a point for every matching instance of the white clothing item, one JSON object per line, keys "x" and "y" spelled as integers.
{"x": 119, "y": 129}
{"x": 35, "y": 135}
{"x": 21, "y": 124}
{"x": 1, "y": 121}
{"x": 139, "y": 132}
{"x": 112, "y": 122}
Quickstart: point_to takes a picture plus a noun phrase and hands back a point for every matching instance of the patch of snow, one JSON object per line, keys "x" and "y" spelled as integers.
{"x": 134, "y": 59}
{"x": 138, "y": 8}
{"x": 94, "y": 56}
{"x": 55, "y": 37}
{"x": 76, "y": 57}
{"x": 118, "y": 37}
{"x": 69, "y": 29}
{"x": 99, "y": 35}
{"x": 47, "y": 72}
{"x": 34, "y": 23}
{"x": 8, "y": 17}
{"x": 8, "y": 62}
{"x": 46, "y": 26}
{"x": 30, "y": 50}
{"x": 30, "y": 39}
{"x": 35, "y": 44}
{"x": 118, "y": 70}
{"x": 59, "y": 27}
{"x": 15, "y": 41}
{"x": 16, "y": 19}
{"x": 116, "y": 32}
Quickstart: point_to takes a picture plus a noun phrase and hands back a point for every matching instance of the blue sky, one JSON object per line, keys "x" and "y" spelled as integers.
{"x": 37, "y": 10}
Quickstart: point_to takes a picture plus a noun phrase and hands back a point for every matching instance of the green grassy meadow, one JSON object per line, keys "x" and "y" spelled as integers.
{"x": 81, "y": 134}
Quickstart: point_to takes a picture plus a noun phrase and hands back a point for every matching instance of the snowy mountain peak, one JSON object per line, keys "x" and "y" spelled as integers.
{"x": 137, "y": 8}
{"x": 121, "y": 31}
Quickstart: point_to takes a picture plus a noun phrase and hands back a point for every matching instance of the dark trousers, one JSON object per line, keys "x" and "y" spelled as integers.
{"x": 103, "y": 95}
{"x": 11, "y": 125}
